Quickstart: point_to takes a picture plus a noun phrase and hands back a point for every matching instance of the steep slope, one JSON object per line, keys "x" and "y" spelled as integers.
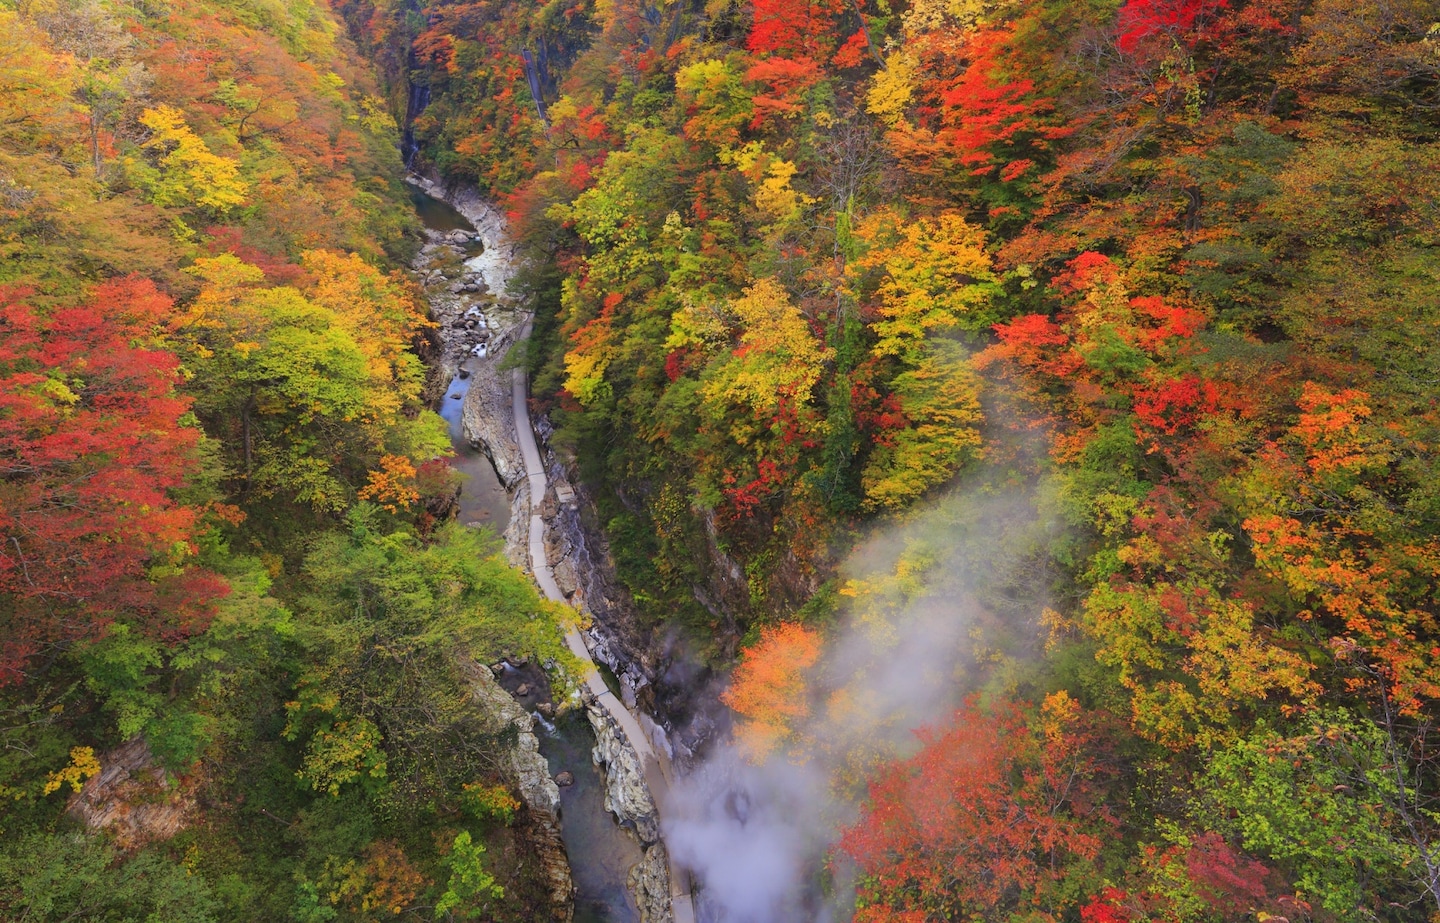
{"x": 801, "y": 265}
{"x": 238, "y": 634}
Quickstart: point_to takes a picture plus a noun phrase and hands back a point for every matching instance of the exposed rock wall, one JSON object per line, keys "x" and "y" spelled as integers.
{"x": 134, "y": 799}
{"x": 629, "y": 784}
{"x": 656, "y": 676}
{"x": 531, "y": 775}
{"x": 627, "y": 796}
{"x": 650, "y": 883}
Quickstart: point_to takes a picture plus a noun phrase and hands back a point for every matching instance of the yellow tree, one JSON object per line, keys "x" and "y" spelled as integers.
{"x": 930, "y": 274}
{"x": 36, "y": 82}
{"x": 382, "y": 314}
{"x": 190, "y": 174}
{"x": 776, "y": 364}
{"x": 305, "y": 390}
{"x": 942, "y": 412}
{"x": 928, "y": 278}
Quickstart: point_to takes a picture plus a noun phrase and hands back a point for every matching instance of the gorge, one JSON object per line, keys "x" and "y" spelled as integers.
{"x": 634, "y": 776}
{"x": 741, "y": 461}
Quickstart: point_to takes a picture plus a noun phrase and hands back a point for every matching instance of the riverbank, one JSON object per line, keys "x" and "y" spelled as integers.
{"x": 465, "y": 276}
{"x": 474, "y": 330}
{"x": 638, "y": 770}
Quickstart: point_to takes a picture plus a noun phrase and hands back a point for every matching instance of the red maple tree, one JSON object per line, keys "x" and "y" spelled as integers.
{"x": 988, "y": 813}
{"x": 92, "y": 443}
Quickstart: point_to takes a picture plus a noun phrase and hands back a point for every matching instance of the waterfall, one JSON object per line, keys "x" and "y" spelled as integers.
{"x": 533, "y": 77}
{"x": 419, "y": 98}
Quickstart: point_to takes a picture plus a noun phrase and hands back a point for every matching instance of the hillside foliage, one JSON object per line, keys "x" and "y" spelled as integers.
{"x": 223, "y": 502}
{"x": 1113, "y": 324}
{"x": 808, "y": 263}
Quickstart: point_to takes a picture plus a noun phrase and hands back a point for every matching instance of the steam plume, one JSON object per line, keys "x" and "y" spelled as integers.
{"x": 962, "y": 583}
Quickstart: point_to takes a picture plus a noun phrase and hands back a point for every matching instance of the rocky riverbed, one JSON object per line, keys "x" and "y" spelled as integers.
{"x": 477, "y": 325}
{"x": 465, "y": 275}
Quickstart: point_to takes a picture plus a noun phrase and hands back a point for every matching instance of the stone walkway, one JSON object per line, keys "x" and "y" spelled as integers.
{"x": 657, "y": 767}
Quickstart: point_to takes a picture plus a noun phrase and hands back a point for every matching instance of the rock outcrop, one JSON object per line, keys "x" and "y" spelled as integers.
{"x": 490, "y": 433}
{"x": 649, "y": 881}
{"x": 627, "y": 797}
{"x": 525, "y": 765}
{"x": 528, "y": 770}
{"x": 134, "y": 799}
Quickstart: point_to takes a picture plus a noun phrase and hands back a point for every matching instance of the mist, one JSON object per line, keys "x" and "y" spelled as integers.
{"x": 942, "y": 606}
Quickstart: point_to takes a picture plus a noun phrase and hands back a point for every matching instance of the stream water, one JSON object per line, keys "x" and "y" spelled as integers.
{"x": 437, "y": 215}
{"x": 600, "y": 852}
{"x": 482, "y": 496}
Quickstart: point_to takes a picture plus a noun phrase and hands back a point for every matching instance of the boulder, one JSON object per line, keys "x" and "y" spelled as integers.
{"x": 627, "y": 794}
{"x": 649, "y": 881}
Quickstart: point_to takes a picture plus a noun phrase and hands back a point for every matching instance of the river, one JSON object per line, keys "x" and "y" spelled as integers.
{"x": 482, "y": 496}
{"x": 601, "y": 853}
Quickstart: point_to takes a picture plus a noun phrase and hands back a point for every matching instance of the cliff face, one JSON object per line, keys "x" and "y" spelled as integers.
{"x": 134, "y": 799}
{"x": 585, "y": 577}
{"x": 529, "y": 772}
{"x": 668, "y": 689}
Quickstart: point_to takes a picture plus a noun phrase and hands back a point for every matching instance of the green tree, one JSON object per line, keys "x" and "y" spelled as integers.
{"x": 939, "y": 398}
{"x": 469, "y": 884}
{"x": 391, "y": 624}
{"x": 1319, "y": 801}
{"x": 54, "y": 877}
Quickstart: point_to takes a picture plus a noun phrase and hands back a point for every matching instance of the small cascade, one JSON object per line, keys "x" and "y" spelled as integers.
{"x": 533, "y": 78}
{"x": 419, "y": 98}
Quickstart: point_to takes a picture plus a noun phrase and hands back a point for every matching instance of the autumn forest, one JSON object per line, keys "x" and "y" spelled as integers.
{"x": 1004, "y": 438}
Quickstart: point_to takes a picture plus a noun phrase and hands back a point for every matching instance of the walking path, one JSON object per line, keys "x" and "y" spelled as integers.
{"x": 656, "y": 767}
